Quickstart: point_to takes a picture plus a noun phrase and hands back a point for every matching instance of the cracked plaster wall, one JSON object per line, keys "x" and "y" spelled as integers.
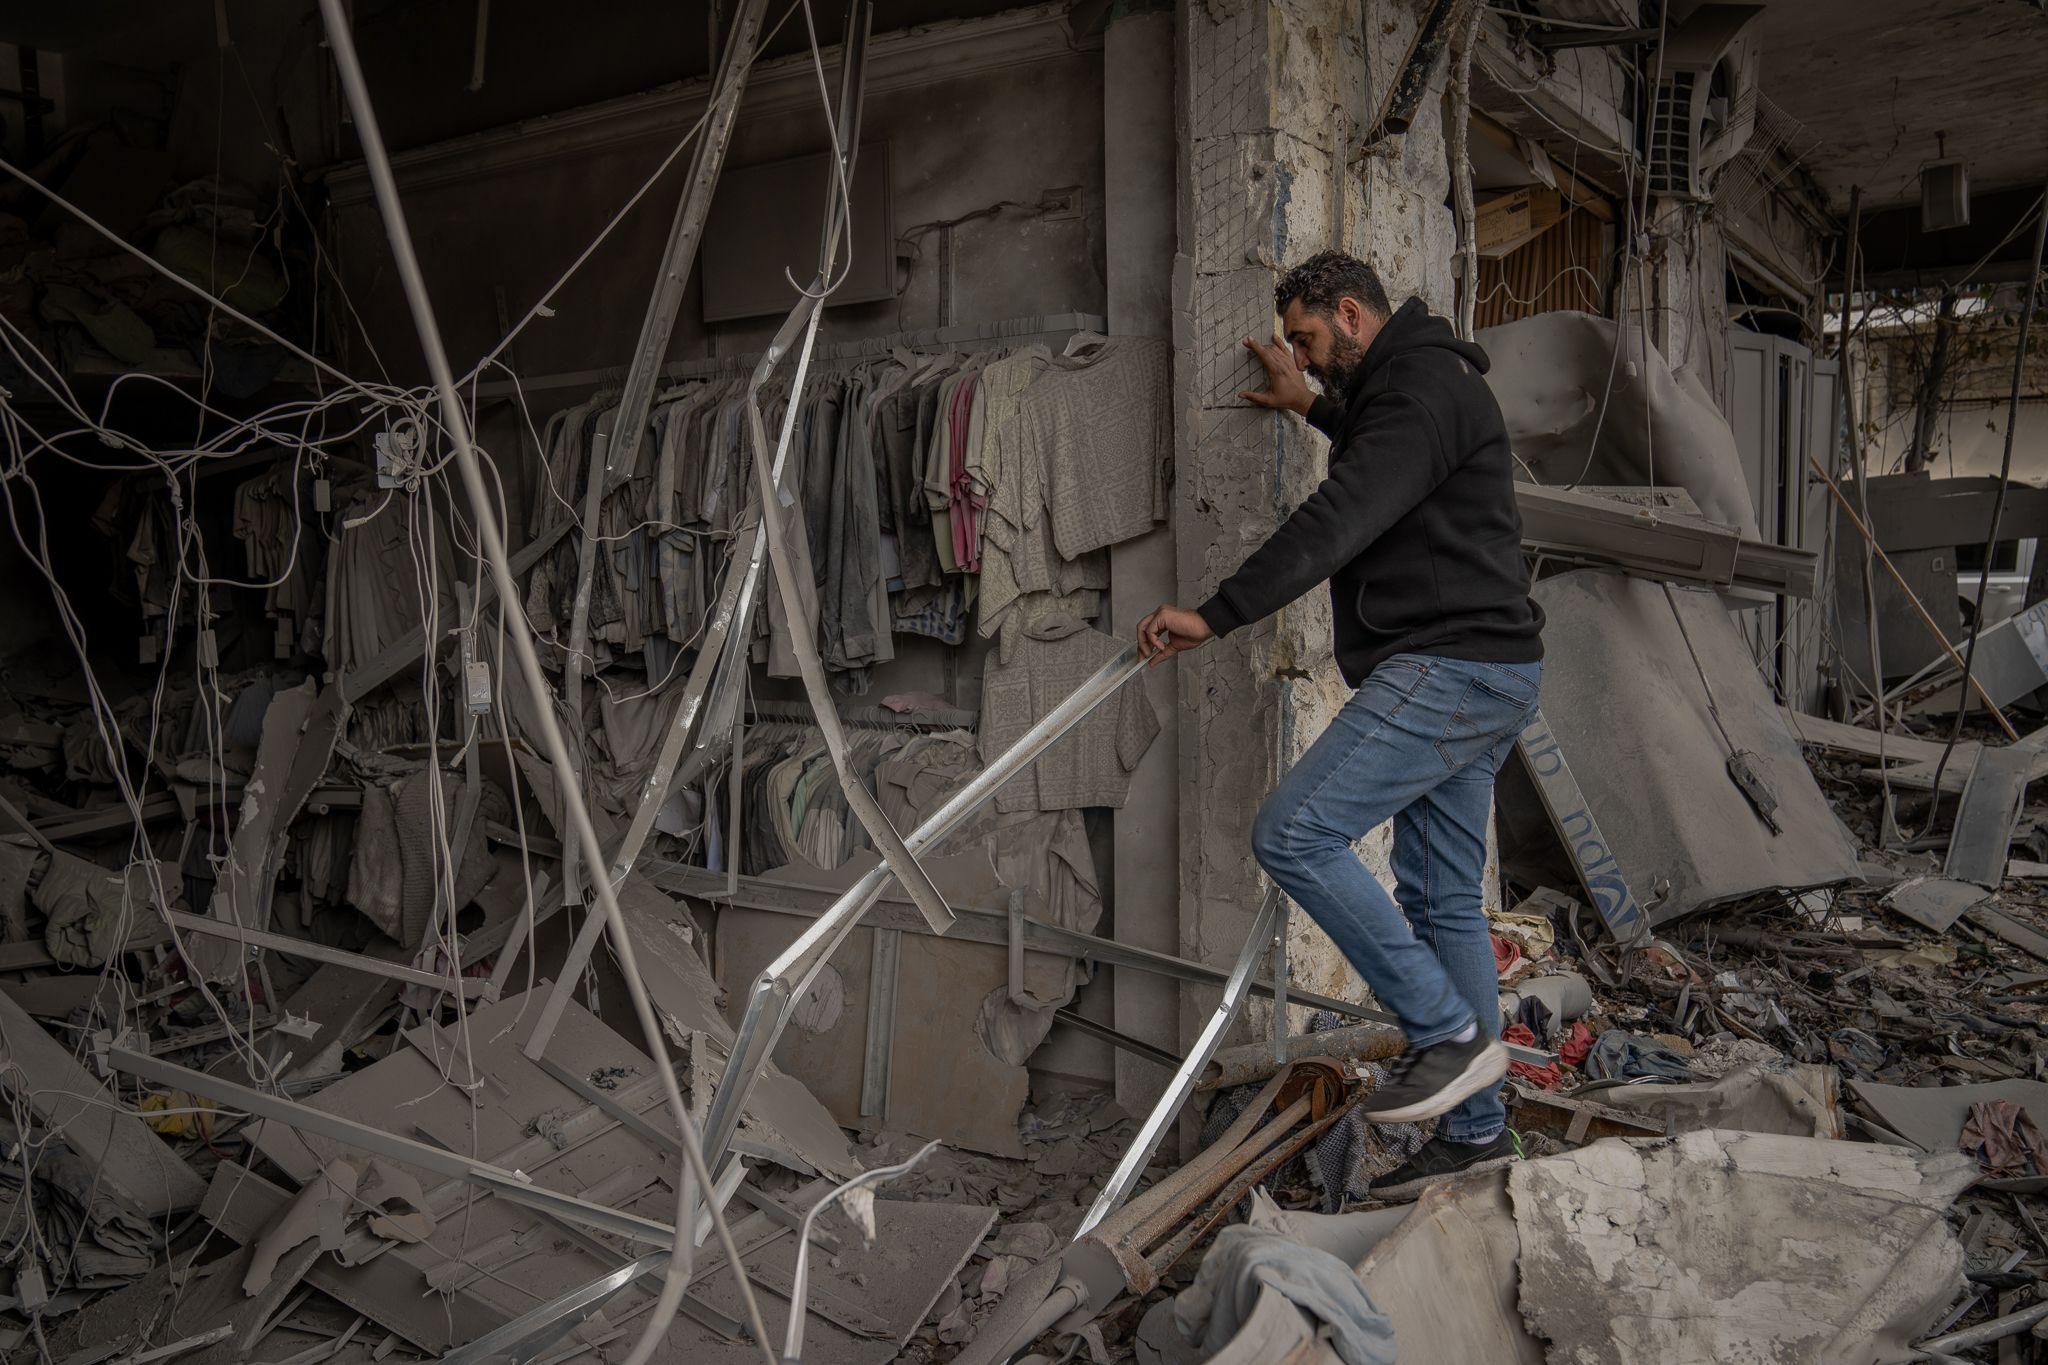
{"x": 1272, "y": 103}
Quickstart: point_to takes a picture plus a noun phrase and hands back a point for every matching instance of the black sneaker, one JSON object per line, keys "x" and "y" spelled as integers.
{"x": 1439, "y": 1159}
{"x": 1421, "y": 1085}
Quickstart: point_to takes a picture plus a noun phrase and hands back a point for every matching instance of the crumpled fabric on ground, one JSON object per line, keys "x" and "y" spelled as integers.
{"x": 1507, "y": 955}
{"x": 1576, "y": 1044}
{"x": 1620, "y": 1055}
{"x": 88, "y": 910}
{"x": 2004, "y": 1139}
{"x": 73, "y": 1209}
{"x": 85, "y": 753}
{"x": 1547, "y": 1077}
{"x": 1243, "y": 1261}
{"x": 391, "y": 879}
{"x": 1532, "y": 1014}
{"x": 1534, "y": 934}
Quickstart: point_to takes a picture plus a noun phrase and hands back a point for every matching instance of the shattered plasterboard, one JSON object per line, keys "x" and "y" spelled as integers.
{"x": 1555, "y": 377}
{"x": 1446, "y": 1278}
{"x": 892, "y": 1281}
{"x": 1624, "y": 705}
{"x": 1718, "y": 1246}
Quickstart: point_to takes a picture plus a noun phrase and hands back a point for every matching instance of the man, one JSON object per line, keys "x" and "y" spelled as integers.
{"x": 1417, "y": 533}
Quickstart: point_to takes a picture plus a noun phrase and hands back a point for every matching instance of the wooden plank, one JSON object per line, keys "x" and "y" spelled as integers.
{"x": 1823, "y": 733}
{"x": 134, "y": 1163}
{"x": 1995, "y": 921}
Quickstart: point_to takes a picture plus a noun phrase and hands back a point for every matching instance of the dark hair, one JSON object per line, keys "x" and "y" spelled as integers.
{"x": 1327, "y": 276}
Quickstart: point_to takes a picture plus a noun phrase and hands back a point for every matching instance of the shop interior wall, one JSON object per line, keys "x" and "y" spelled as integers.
{"x": 994, "y": 140}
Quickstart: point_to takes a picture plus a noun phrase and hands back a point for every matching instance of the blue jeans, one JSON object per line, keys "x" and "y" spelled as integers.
{"x": 1419, "y": 744}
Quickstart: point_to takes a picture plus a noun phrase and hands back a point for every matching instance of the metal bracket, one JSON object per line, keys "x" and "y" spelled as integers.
{"x": 1019, "y": 993}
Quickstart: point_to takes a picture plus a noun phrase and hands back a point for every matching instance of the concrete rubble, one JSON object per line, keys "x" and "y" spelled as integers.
{"x": 657, "y": 846}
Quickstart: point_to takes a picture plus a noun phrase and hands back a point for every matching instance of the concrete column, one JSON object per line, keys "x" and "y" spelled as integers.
{"x": 1139, "y": 165}
{"x": 1271, "y": 100}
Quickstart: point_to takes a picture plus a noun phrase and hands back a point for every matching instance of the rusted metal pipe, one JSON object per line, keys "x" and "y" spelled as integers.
{"x": 1253, "y": 1062}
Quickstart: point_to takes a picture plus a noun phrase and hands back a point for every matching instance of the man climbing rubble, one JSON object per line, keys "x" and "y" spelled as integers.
{"x": 1417, "y": 533}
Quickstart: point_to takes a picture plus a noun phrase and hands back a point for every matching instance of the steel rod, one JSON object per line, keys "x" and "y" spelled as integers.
{"x": 484, "y": 514}
{"x": 320, "y": 952}
{"x": 304, "y": 1118}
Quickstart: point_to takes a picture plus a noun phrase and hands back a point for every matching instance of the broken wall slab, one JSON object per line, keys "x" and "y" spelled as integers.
{"x": 1446, "y": 1278}
{"x": 1717, "y": 1246}
{"x": 902, "y": 1006}
{"x": 1626, "y": 707}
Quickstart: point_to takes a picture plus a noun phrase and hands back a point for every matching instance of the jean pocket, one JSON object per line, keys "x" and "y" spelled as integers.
{"x": 1488, "y": 710}
{"x": 1511, "y": 684}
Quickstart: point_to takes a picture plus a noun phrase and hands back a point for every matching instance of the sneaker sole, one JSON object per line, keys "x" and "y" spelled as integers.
{"x": 1408, "y": 1191}
{"x": 1486, "y": 1068}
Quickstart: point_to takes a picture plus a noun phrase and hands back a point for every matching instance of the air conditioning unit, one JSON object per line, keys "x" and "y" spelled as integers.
{"x": 1704, "y": 109}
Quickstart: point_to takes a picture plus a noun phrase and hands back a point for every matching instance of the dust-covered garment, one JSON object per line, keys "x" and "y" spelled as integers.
{"x": 398, "y": 873}
{"x": 1092, "y": 764}
{"x": 89, "y": 911}
{"x": 1103, "y": 427}
{"x": 1245, "y": 1261}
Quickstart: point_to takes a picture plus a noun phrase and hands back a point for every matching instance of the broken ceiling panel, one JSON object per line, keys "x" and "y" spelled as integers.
{"x": 137, "y": 1165}
{"x": 1446, "y": 1278}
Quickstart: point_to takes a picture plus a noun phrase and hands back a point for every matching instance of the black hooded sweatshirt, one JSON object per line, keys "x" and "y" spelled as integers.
{"x": 1416, "y": 527}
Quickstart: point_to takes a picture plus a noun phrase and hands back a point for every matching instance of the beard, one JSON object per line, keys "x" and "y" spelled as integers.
{"x": 1346, "y": 355}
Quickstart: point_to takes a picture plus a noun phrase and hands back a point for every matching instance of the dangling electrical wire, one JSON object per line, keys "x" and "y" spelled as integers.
{"x": 456, "y": 422}
{"x": 2012, "y": 421}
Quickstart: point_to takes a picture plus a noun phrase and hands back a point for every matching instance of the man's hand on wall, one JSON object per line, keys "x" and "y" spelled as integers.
{"x": 1285, "y": 388}
{"x": 1169, "y": 630}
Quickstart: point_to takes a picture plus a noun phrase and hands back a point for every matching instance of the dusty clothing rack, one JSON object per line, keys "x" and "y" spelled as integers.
{"x": 1024, "y": 329}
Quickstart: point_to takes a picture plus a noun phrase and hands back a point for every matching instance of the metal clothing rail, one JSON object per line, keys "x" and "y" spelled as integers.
{"x": 718, "y": 693}
{"x": 741, "y": 363}
{"x": 866, "y": 717}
